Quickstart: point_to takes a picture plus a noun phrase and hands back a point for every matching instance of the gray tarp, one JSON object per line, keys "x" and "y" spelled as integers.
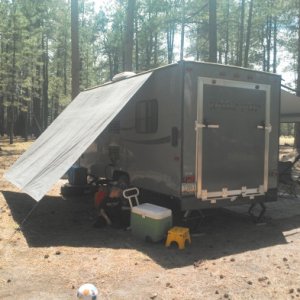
{"x": 290, "y": 108}
{"x": 54, "y": 152}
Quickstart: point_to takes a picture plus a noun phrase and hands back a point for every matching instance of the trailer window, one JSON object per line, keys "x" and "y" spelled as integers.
{"x": 146, "y": 116}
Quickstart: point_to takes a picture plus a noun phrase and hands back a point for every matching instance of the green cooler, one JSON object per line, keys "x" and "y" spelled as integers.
{"x": 150, "y": 222}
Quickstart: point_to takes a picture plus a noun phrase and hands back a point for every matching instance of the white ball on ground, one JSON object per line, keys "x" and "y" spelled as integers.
{"x": 87, "y": 292}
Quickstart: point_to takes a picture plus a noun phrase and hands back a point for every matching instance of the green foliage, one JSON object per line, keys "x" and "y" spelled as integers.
{"x": 287, "y": 129}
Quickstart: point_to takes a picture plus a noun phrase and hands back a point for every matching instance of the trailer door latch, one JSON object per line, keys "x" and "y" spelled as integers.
{"x": 213, "y": 126}
{"x": 264, "y": 127}
{"x": 205, "y": 125}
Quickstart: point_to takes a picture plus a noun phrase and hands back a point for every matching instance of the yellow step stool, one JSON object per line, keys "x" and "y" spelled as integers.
{"x": 179, "y": 235}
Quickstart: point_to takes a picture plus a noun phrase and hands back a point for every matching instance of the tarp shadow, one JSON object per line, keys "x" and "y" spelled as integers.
{"x": 59, "y": 222}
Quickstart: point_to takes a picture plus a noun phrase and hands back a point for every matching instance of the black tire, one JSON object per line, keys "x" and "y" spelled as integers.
{"x": 69, "y": 190}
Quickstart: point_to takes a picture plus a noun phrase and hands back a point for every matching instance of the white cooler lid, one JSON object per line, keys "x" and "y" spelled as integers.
{"x": 152, "y": 211}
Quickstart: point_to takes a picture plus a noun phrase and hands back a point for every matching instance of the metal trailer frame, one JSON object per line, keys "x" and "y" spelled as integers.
{"x": 165, "y": 154}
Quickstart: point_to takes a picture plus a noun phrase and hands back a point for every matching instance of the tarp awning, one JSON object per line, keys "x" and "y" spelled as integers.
{"x": 58, "y": 148}
{"x": 290, "y": 108}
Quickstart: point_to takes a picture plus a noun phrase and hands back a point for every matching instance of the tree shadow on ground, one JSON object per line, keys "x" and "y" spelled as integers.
{"x": 59, "y": 222}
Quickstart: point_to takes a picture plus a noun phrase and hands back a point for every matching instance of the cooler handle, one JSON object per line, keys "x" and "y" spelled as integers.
{"x": 132, "y": 194}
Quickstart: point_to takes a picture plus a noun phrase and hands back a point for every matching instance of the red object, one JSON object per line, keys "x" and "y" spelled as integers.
{"x": 99, "y": 197}
{"x": 189, "y": 179}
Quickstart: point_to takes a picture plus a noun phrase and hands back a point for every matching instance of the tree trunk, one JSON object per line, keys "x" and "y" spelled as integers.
{"x": 11, "y": 111}
{"x": 137, "y": 67}
{"x": 65, "y": 61}
{"x": 212, "y": 31}
{"x": 298, "y": 53}
{"x": 2, "y": 115}
{"x": 2, "y": 130}
{"x": 198, "y": 42}
{"x": 75, "y": 49}
{"x": 87, "y": 62}
{"x": 275, "y": 46}
{"x": 45, "y": 81}
{"x": 268, "y": 35}
{"x": 129, "y": 35}
{"x": 115, "y": 63}
{"x": 149, "y": 46}
{"x": 182, "y": 30}
{"x": 262, "y": 42}
{"x": 155, "y": 54}
{"x": 37, "y": 103}
{"x": 297, "y": 125}
{"x": 26, "y": 124}
{"x": 241, "y": 35}
{"x": 111, "y": 66}
{"x": 170, "y": 42}
{"x": 171, "y": 27}
{"x": 227, "y": 33}
{"x": 248, "y": 36}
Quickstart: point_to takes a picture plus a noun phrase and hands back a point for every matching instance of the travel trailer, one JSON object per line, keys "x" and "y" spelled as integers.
{"x": 204, "y": 134}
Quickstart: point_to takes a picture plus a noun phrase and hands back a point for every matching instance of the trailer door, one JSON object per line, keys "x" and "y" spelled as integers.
{"x": 233, "y": 126}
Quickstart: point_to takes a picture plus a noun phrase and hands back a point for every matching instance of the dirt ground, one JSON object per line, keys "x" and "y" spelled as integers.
{"x": 58, "y": 249}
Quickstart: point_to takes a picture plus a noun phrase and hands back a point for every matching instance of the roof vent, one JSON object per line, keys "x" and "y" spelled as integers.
{"x": 122, "y": 76}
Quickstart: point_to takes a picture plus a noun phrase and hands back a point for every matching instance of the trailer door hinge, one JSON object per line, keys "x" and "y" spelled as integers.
{"x": 199, "y": 125}
{"x": 244, "y": 191}
{"x": 261, "y": 189}
{"x": 224, "y": 192}
{"x": 204, "y": 195}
